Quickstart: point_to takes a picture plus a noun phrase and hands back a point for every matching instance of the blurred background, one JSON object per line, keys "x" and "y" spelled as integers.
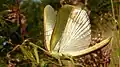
{"x": 23, "y": 19}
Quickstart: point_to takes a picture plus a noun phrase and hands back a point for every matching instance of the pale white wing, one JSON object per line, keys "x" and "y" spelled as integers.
{"x": 77, "y": 33}
{"x": 49, "y": 22}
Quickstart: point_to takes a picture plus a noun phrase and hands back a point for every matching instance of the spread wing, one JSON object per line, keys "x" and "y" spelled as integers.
{"x": 49, "y": 22}
{"x": 69, "y": 32}
{"x": 61, "y": 21}
{"x": 77, "y": 33}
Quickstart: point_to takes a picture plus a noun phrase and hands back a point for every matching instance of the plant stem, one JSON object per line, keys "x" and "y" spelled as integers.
{"x": 113, "y": 11}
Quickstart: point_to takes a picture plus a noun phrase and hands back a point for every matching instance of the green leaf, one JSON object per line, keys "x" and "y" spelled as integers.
{"x": 36, "y": 55}
{"x": 27, "y": 53}
{"x": 61, "y": 21}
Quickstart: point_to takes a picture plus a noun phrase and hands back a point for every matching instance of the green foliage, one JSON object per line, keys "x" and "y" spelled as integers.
{"x": 33, "y": 14}
{"x": 97, "y": 6}
{"x": 34, "y": 18}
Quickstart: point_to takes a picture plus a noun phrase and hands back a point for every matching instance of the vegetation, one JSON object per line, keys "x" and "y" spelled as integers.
{"x": 22, "y": 33}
